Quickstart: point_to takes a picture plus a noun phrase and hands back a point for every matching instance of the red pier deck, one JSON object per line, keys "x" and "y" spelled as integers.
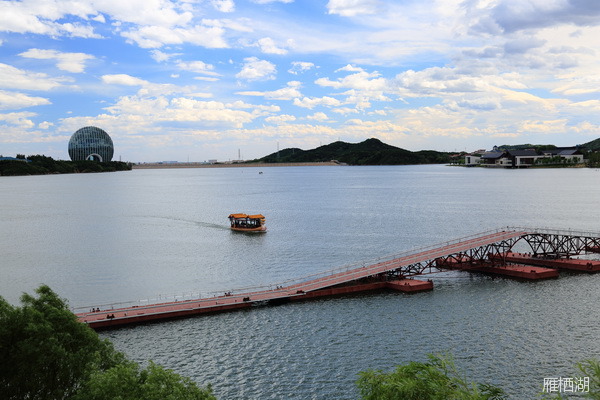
{"x": 336, "y": 282}
{"x": 573, "y": 264}
{"x": 180, "y": 309}
{"x": 512, "y": 271}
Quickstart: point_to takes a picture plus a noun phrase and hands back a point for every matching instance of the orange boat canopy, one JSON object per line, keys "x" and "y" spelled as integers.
{"x": 239, "y": 216}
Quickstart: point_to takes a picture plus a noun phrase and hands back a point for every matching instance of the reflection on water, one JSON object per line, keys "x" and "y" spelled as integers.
{"x": 105, "y": 238}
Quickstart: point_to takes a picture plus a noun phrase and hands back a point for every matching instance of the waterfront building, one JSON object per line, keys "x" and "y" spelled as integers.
{"x": 91, "y": 143}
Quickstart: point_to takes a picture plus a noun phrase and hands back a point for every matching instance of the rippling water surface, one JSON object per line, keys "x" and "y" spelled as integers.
{"x": 103, "y": 238}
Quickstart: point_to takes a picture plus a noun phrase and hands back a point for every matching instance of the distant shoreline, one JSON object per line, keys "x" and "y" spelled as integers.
{"x": 236, "y": 165}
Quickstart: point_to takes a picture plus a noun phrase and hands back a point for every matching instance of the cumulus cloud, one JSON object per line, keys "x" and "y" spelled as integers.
{"x": 255, "y": 69}
{"x": 41, "y": 17}
{"x": 14, "y": 78}
{"x": 155, "y": 36}
{"x": 123, "y": 79}
{"x": 199, "y": 67}
{"x": 300, "y": 66}
{"x": 268, "y": 46}
{"x": 225, "y": 6}
{"x": 513, "y": 15}
{"x": 361, "y": 81}
{"x": 19, "y": 119}
{"x": 318, "y": 116}
{"x": 310, "y": 103}
{"x": 351, "y": 8}
{"x": 15, "y": 100}
{"x": 279, "y": 119}
{"x": 153, "y": 111}
{"x": 350, "y": 68}
{"x": 287, "y": 93}
{"x": 160, "y": 56}
{"x": 272, "y": 1}
{"x": 70, "y": 62}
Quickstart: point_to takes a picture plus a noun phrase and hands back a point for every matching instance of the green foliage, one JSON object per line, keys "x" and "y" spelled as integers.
{"x": 591, "y": 369}
{"x": 370, "y": 152}
{"x": 41, "y": 165}
{"x": 437, "y": 379}
{"x": 594, "y": 160}
{"x": 46, "y": 353}
{"x": 127, "y": 382}
{"x": 539, "y": 148}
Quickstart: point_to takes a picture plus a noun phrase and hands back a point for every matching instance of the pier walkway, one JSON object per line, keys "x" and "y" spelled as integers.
{"x": 486, "y": 251}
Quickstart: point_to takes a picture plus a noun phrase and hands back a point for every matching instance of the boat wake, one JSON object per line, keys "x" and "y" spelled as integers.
{"x": 202, "y": 224}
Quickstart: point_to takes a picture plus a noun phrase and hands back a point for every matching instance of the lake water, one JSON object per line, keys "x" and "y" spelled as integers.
{"x": 147, "y": 234}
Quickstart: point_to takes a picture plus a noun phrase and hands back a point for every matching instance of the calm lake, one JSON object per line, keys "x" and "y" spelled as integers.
{"x": 98, "y": 239}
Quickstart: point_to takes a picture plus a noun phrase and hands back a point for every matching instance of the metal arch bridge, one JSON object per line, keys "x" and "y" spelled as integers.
{"x": 475, "y": 249}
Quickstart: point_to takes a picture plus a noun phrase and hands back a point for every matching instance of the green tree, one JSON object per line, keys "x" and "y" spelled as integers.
{"x": 437, "y": 379}
{"x": 591, "y": 369}
{"x": 46, "y": 353}
{"x": 127, "y": 382}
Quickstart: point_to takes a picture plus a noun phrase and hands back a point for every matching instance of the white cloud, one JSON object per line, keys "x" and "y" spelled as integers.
{"x": 99, "y": 18}
{"x": 144, "y": 12}
{"x": 279, "y": 119}
{"x": 70, "y": 62}
{"x": 206, "y": 79}
{"x": 156, "y": 36}
{"x": 14, "y": 78}
{"x": 318, "y": 116}
{"x": 300, "y": 66}
{"x": 351, "y": 8}
{"x": 199, "y": 67}
{"x": 271, "y": 1}
{"x": 15, "y": 100}
{"x": 123, "y": 79}
{"x": 225, "y": 6}
{"x": 509, "y": 16}
{"x": 255, "y": 69}
{"x": 268, "y": 46}
{"x": 39, "y": 17}
{"x": 345, "y": 110}
{"x": 287, "y": 93}
{"x": 350, "y": 68}
{"x": 159, "y": 56}
{"x": 360, "y": 81}
{"x": 311, "y": 103}
{"x": 45, "y": 125}
{"x": 21, "y": 120}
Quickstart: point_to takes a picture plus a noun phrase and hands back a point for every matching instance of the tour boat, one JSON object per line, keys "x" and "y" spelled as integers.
{"x": 247, "y": 223}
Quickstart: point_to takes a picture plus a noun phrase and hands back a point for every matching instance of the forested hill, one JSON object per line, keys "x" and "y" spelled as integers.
{"x": 369, "y": 152}
{"x": 594, "y": 145}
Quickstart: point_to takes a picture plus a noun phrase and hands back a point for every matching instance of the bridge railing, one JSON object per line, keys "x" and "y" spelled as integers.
{"x": 188, "y": 296}
{"x": 390, "y": 257}
{"x": 555, "y": 231}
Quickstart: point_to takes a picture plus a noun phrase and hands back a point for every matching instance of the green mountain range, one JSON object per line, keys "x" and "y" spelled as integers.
{"x": 370, "y": 152}
{"x": 375, "y": 152}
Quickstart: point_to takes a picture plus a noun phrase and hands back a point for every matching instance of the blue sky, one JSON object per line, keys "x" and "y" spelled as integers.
{"x": 206, "y": 79}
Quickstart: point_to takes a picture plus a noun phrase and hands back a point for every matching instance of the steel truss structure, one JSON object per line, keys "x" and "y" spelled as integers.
{"x": 551, "y": 244}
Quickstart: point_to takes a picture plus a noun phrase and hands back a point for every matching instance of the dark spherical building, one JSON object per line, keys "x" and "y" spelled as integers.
{"x": 91, "y": 143}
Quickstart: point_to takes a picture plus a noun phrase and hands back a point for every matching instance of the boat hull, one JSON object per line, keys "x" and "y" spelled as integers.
{"x": 257, "y": 230}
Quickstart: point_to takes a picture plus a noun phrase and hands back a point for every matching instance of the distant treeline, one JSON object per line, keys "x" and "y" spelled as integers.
{"x": 43, "y": 165}
{"x": 369, "y": 152}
